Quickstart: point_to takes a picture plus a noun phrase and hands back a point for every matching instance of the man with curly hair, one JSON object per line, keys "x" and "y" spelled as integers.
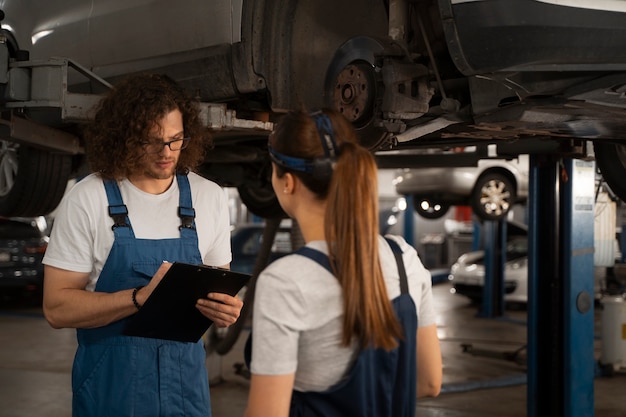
{"x": 117, "y": 232}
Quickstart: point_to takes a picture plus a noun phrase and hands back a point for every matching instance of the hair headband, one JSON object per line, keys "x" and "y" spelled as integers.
{"x": 325, "y": 130}
{"x": 319, "y": 168}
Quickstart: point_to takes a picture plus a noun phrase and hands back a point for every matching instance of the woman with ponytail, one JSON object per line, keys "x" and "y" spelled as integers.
{"x": 345, "y": 326}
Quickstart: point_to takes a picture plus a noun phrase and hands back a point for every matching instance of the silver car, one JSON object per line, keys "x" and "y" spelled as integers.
{"x": 421, "y": 74}
{"x": 491, "y": 188}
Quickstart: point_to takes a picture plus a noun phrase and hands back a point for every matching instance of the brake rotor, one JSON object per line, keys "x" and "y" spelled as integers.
{"x": 354, "y": 93}
{"x": 354, "y": 87}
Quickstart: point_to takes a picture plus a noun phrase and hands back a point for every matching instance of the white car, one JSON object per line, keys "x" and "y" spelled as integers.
{"x": 491, "y": 188}
{"x": 468, "y": 273}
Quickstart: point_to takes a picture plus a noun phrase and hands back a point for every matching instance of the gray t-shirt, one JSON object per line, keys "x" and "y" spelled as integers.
{"x": 298, "y": 312}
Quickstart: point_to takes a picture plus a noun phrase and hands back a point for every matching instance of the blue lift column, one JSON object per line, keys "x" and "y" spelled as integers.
{"x": 495, "y": 243}
{"x": 561, "y": 360}
{"x": 409, "y": 221}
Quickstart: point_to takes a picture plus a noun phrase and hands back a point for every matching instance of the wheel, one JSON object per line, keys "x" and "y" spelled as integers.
{"x": 430, "y": 209}
{"x": 354, "y": 87}
{"x": 611, "y": 160}
{"x": 493, "y": 196}
{"x": 354, "y": 93}
{"x": 257, "y": 194}
{"x": 261, "y": 201}
{"x": 32, "y": 181}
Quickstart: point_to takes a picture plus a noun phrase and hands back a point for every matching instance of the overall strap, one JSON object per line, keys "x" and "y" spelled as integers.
{"x": 397, "y": 252}
{"x": 322, "y": 259}
{"x": 186, "y": 211}
{"x": 380, "y": 383}
{"x": 317, "y": 256}
{"x": 117, "y": 210}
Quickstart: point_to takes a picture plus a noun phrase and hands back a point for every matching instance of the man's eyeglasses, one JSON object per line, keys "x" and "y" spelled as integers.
{"x": 174, "y": 145}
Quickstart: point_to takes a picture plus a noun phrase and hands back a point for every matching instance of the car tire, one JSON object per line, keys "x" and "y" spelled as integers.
{"x": 493, "y": 196}
{"x": 261, "y": 201}
{"x": 32, "y": 181}
{"x": 429, "y": 209}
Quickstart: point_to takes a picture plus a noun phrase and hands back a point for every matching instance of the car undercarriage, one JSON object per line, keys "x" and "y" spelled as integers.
{"x": 515, "y": 77}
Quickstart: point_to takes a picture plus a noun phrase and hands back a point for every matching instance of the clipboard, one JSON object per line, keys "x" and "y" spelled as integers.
{"x": 170, "y": 312}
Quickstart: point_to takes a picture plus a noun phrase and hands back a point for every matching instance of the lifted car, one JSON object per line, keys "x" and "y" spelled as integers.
{"x": 491, "y": 188}
{"x": 524, "y": 76}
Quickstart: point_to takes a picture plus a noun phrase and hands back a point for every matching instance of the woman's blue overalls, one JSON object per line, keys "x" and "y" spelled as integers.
{"x": 380, "y": 383}
{"x": 116, "y": 375}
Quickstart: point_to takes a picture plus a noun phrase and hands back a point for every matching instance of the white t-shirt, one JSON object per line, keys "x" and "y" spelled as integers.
{"x": 81, "y": 236}
{"x": 298, "y": 310}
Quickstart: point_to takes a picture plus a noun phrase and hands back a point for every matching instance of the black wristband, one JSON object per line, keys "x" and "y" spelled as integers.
{"x": 134, "y": 296}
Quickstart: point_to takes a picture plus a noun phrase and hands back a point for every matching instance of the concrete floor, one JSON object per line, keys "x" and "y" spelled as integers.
{"x": 488, "y": 380}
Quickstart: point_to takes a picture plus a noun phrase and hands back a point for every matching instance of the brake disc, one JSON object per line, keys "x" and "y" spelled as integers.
{"x": 354, "y": 93}
{"x": 353, "y": 86}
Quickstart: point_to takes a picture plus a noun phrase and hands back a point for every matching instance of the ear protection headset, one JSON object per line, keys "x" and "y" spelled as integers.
{"x": 320, "y": 168}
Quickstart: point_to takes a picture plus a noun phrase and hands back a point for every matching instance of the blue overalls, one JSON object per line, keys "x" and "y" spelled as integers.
{"x": 116, "y": 375}
{"x": 381, "y": 383}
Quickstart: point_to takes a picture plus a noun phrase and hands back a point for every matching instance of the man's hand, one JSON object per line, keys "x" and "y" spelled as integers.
{"x": 223, "y": 309}
{"x": 143, "y": 294}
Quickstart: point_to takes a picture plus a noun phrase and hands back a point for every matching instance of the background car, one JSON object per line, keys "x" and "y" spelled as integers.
{"x": 491, "y": 188}
{"x": 23, "y": 242}
{"x": 246, "y": 242}
{"x": 468, "y": 273}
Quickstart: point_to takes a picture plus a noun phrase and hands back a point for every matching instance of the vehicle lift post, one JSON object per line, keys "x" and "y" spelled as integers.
{"x": 494, "y": 240}
{"x": 409, "y": 221}
{"x": 561, "y": 360}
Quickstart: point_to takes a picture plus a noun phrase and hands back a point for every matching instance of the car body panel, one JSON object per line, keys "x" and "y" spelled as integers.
{"x": 537, "y": 35}
{"x": 113, "y": 35}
